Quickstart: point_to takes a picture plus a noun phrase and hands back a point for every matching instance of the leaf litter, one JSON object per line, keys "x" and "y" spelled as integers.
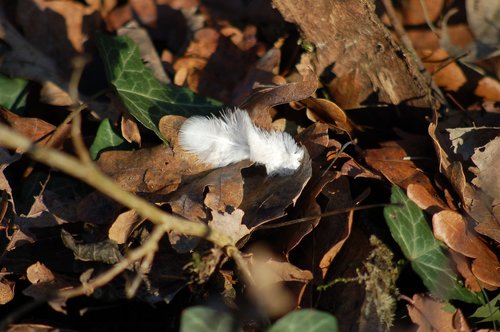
{"x": 369, "y": 114}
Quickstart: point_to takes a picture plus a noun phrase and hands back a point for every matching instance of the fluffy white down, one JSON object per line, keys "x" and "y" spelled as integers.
{"x": 233, "y": 137}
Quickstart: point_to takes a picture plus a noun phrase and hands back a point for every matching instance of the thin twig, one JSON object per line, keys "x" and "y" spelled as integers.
{"x": 88, "y": 173}
{"x": 149, "y": 246}
{"x": 326, "y": 214}
{"x": 95, "y": 178}
{"x": 77, "y": 139}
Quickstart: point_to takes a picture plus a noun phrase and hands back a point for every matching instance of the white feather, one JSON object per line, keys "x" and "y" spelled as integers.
{"x": 233, "y": 137}
{"x": 217, "y": 141}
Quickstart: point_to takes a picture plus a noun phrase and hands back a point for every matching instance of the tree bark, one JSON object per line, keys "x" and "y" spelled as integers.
{"x": 358, "y": 59}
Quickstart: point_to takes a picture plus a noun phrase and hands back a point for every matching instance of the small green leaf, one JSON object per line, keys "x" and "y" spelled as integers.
{"x": 147, "y": 99}
{"x": 426, "y": 254}
{"x": 306, "y": 320}
{"x": 13, "y": 93}
{"x": 206, "y": 319}
{"x": 489, "y": 312}
{"x": 106, "y": 139}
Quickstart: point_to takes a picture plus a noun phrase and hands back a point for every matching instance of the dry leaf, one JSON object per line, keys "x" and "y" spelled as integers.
{"x": 391, "y": 160}
{"x": 270, "y": 276}
{"x": 462, "y": 156}
{"x": 35, "y": 129}
{"x": 262, "y": 99}
{"x": 25, "y": 60}
{"x": 151, "y": 170}
{"x": 124, "y": 225}
{"x": 338, "y": 227}
{"x": 415, "y": 12}
{"x": 35, "y": 328}
{"x": 328, "y": 112}
{"x": 6, "y": 290}
{"x": 211, "y": 55}
{"x": 451, "y": 228}
{"x": 39, "y": 273}
{"x": 450, "y": 76}
{"x": 230, "y": 224}
{"x": 130, "y": 129}
{"x": 432, "y": 315}
{"x": 431, "y": 203}
{"x": 489, "y": 89}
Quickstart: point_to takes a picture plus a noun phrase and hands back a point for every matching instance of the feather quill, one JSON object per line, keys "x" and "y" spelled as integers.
{"x": 234, "y": 137}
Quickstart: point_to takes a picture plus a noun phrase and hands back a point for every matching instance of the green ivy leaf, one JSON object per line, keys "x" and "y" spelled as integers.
{"x": 306, "y": 320}
{"x": 489, "y": 312}
{"x": 147, "y": 99}
{"x": 426, "y": 254}
{"x": 13, "y": 93}
{"x": 206, "y": 319}
{"x": 106, "y": 139}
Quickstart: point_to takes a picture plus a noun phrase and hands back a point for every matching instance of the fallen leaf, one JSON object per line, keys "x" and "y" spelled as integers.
{"x": 145, "y": 170}
{"x": 48, "y": 209}
{"x": 124, "y": 225}
{"x": 211, "y": 54}
{"x": 130, "y": 129}
{"x": 338, "y": 227}
{"x": 5, "y": 160}
{"x": 489, "y": 89}
{"x": 266, "y": 198}
{"x": 270, "y": 277}
{"x": 487, "y": 181}
{"x": 479, "y": 16}
{"x": 189, "y": 201}
{"x": 6, "y": 290}
{"x": 35, "y": 129}
{"x": 25, "y": 60}
{"x": 417, "y": 12}
{"x": 451, "y": 228}
{"x": 450, "y": 76}
{"x": 58, "y": 29}
{"x": 459, "y": 149}
{"x": 105, "y": 251}
{"x": 393, "y": 162}
{"x": 98, "y": 209}
{"x": 34, "y": 328}
{"x": 328, "y": 112}
{"x": 425, "y": 200}
{"x": 44, "y": 291}
{"x": 39, "y": 273}
{"x": 434, "y": 315}
{"x": 262, "y": 73}
{"x": 315, "y": 139}
{"x": 229, "y": 224}
{"x": 264, "y": 98}
{"x": 345, "y": 298}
